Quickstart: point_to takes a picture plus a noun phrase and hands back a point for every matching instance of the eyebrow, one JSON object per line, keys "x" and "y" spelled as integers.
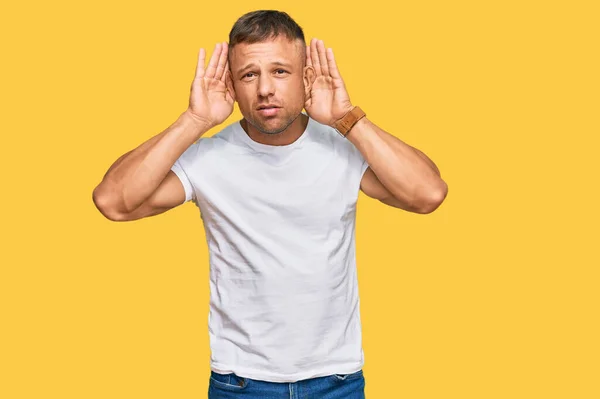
{"x": 252, "y": 65}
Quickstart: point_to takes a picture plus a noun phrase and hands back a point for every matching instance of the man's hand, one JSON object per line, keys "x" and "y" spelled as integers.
{"x": 327, "y": 101}
{"x": 210, "y": 100}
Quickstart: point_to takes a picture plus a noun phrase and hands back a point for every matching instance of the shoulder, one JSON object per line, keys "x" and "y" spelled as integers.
{"x": 203, "y": 148}
{"x": 323, "y": 134}
{"x": 220, "y": 139}
{"x": 329, "y": 136}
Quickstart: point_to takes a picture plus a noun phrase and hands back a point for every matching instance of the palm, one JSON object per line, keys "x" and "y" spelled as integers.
{"x": 328, "y": 99}
{"x": 210, "y": 100}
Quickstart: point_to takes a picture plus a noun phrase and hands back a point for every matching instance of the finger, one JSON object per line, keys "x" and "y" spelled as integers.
{"x": 308, "y": 60}
{"x": 322, "y": 58}
{"x": 314, "y": 56}
{"x": 222, "y": 61}
{"x": 200, "y": 66}
{"x": 225, "y": 70}
{"x": 214, "y": 59}
{"x": 333, "y": 69}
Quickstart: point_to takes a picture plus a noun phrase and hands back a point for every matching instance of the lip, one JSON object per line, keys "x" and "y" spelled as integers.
{"x": 268, "y": 105}
{"x": 269, "y": 111}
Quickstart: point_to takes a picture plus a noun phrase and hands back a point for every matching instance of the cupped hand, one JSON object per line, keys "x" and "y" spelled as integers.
{"x": 327, "y": 101}
{"x": 210, "y": 100}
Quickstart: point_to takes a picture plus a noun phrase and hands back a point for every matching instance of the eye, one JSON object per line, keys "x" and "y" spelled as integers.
{"x": 248, "y": 75}
{"x": 281, "y": 71}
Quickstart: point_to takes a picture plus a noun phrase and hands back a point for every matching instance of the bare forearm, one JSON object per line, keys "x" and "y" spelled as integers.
{"x": 428, "y": 160}
{"x": 137, "y": 174}
{"x": 407, "y": 173}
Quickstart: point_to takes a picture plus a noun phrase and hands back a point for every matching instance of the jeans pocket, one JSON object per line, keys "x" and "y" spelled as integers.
{"x": 231, "y": 381}
{"x": 347, "y": 377}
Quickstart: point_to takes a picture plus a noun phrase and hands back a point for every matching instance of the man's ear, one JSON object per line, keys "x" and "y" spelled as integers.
{"x": 309, "y": 78}
{"x": 229, "y": 84}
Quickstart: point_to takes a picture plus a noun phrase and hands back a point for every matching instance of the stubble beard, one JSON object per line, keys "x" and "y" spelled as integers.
{"x": 261, "y": 128}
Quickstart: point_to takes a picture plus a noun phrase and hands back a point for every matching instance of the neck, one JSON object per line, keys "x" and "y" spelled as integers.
{"x": 286, "y": 137}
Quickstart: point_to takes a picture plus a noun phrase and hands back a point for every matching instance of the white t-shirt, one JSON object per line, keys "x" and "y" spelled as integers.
{"x": 279, "y": 223}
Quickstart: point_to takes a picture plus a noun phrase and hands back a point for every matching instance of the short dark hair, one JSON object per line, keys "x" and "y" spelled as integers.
{"x": 261, "y": 25}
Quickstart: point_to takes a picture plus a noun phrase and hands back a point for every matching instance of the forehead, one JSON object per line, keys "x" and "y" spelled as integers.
{"x": 279, "y": 49}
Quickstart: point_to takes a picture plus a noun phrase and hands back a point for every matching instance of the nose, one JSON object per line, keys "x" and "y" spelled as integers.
{"x": 266, "y": 87}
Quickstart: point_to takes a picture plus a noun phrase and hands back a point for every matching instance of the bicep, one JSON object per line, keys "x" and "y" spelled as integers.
{"x": 373, "y": 188}
{"x": 169, "y": 194}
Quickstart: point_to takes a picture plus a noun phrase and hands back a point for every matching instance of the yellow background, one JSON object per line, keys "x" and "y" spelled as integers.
{"x": 494, "y": 295}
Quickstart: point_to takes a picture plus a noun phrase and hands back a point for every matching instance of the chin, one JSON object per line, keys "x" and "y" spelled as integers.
{"x": 271, "y": 129}
{"x": 272, "y": 126}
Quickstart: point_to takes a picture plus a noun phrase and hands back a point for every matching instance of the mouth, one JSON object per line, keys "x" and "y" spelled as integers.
{"x": 268, "y": 110}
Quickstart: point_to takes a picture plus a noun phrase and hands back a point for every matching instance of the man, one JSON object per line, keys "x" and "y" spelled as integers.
{"x": 277, "y": 193}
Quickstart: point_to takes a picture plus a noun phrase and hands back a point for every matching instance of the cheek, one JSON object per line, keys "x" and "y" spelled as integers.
{"x": 244, "y": 97}
{"x": 293, "y": 92}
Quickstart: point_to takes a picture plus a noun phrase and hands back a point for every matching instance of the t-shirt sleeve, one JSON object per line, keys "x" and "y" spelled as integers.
{"x": 363, "y": 164}
{"x": 183, "y": 167}
{"x": 356, "y": 163}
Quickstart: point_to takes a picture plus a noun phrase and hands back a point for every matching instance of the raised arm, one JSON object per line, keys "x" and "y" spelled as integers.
{"x": 140, "y": 183}
{"x": 398, "y": 174}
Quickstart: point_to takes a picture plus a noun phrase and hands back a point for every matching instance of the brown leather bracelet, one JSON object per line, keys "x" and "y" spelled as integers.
{"x": 343, "y": 125}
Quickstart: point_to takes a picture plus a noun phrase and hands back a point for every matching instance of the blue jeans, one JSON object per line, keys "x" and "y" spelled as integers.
{"x": 335, "y": 386}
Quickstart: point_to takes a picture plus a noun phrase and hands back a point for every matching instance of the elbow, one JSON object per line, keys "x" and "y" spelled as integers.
{"x": 105, "y": 205}
{"x": 435, "y": 199}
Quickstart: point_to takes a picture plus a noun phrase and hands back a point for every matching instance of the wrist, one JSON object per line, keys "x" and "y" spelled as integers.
{"x": 349, "y": 120}
{"x": 199, "y": 122}
{"x": 344, "y": 113}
